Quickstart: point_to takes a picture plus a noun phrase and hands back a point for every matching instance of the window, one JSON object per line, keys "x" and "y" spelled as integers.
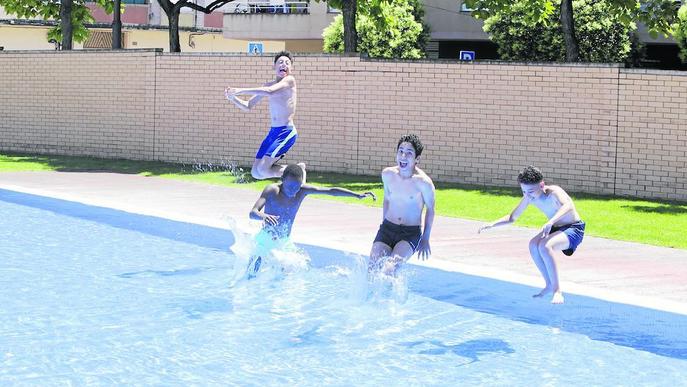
{"x": 273, "y": 6}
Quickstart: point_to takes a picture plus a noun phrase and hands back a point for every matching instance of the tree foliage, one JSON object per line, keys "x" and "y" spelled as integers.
{"x": 50, "y": 10}
{"x": 657, "y": 15}
{"x": 395, "y": 30}
{"x": 601, "y": 36}
{"x": 680, "y": 32}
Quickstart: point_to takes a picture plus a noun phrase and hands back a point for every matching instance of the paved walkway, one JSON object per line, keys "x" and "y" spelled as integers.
{"x": 624, "y": 272}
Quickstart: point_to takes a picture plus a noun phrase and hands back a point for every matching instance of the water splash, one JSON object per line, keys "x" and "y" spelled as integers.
{"x": 230, "y": 167}
{"x": 374, "y": 285}
{"x": 278, "y": 256}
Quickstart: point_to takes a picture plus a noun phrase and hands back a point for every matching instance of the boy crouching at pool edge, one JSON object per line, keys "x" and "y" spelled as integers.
{"x": 562, "y": 232}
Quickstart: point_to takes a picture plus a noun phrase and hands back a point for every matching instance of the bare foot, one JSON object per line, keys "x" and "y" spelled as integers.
{"x": 543, "y": 292}
{"x": 302, "y": 165}
{"x": 557, "y": 298}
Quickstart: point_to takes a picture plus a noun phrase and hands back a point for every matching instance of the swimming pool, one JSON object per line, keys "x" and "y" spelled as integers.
{"x": 96, "y": 296}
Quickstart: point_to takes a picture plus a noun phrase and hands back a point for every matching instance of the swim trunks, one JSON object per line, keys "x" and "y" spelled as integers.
{"x": 574, "y": 232}
{"x": 391, "y": 233}
{"x": 278, "y": 141}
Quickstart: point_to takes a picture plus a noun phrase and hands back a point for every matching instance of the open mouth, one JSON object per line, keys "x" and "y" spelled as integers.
{"x": 402, "y": 164}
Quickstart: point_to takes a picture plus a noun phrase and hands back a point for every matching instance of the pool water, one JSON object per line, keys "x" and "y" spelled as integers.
{"x": 98, "y": 296}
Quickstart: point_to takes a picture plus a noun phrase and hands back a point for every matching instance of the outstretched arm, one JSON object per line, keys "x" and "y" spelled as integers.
{"x": 242, "y": 104}
{"x": 285, "y": 83}
{"x": 427, "y": 189}
{"x": 510, "y": 218}
{"x": 335, "y": 191}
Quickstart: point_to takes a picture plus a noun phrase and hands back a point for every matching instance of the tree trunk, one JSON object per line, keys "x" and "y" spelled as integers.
{"x": 173, "y": 17}
{"x": 117, "y": 26}
{"x": 572, "y": 49}
{"x": 350, "y": 33}
{"x": 66, "y": 24}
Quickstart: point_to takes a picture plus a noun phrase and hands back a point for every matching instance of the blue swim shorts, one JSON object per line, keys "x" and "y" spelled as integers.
{"x": 278, "y": 141}
{"x": 574, "y": 232}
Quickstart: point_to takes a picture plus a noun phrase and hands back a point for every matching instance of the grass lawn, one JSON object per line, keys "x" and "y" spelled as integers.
{"x": 653, "y": 222}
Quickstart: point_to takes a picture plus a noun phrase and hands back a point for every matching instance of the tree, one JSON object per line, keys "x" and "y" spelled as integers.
{"x": 601, "y": 36}
{"x": 572, "y": 48}
{"x": 72, "y": 16}
{"x": 657, "y": 15}
{"x": 117, "y": 26}
{"x": 349, "y": 10}
{"x": 172, "y": 10}
{"x": 404, "y": 37}
{"x": 680, "y": 32}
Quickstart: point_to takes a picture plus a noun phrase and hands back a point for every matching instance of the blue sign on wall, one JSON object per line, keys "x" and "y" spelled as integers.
{"x": 254, "y": 48}
{"x": 467, "y": 55}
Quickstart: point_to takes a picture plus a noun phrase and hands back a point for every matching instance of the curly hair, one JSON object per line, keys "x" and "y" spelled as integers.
{"x": 283, "y": 53}
{"x": 414, "y": 140}
{"x": 530, "y": 175}
{"x": 293, "y": 171}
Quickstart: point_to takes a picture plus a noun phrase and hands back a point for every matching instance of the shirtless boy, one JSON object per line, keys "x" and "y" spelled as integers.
{"x": 282, "y": 102}
{"x": 278, "y": 205}
{"x": 407, "y": 192}
{"x": 563, "y": 232}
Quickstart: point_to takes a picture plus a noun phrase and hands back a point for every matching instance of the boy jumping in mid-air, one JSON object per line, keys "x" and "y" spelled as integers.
{"x": 282, "y": 101}
{"x": 407, "y": 191}
{"x": 278, "y": 205}
{"x": 563, "y": 232}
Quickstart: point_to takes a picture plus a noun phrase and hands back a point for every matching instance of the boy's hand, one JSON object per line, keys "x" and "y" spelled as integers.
{"x": 272, "y": 220}
{"x": 546, "y": 230}
{"x": 484, "y": 228}
{"x": 423, "y": 249}
{"x": 230, "y": 91}
{"x": 366, "y": 194}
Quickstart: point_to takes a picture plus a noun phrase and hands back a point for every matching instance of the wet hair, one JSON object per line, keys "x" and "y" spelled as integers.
{"x": 530, "y": 175}
{"x": 282, "y": 53}
{"x": 293, "y": 171}
{"x": 414, "y": 140}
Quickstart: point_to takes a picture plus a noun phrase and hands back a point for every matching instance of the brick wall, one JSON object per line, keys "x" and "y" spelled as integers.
{"x": 591, "y": 128}
{"x": 652, "y": 135}
{"x": 82, "y": 103}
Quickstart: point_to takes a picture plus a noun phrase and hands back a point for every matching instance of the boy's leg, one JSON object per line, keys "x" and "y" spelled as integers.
{"x": 253, "y": 266}
{"x": 379, "y": 250}
{"x": 539, "y": 262}
{"x": 302, "y": 165}
{"x": 266, "y": 168}
{"x": 400, "y": 254}
{"x": 557, "y": 241}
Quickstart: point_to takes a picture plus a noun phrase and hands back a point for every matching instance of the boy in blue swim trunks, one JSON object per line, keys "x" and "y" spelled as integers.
{"x": 407, "y": 192}
{"x": 278, "y": 205}
{"x": 282, "y": 102}
{"x": 563, "y": 232}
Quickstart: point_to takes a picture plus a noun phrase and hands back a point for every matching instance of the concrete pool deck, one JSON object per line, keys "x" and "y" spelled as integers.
{"x": 625, "y": 272}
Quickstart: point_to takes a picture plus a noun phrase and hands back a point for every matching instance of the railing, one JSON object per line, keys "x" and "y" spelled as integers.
{"x": 272, "y": 6}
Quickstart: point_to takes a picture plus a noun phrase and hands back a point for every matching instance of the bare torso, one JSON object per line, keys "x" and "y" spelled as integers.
{"x": 283, "y": 104}
{"x": 403, "y": 197}
{"x": 284, "y": 207}
{"x": 549, "y": 205}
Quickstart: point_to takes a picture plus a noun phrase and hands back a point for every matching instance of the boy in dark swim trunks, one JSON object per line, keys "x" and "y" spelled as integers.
{"x": 282, "y": 101}
{"x": 563, "y": 232}
{"x": 278, "y": 205}
{"x": 407, "y": 192}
